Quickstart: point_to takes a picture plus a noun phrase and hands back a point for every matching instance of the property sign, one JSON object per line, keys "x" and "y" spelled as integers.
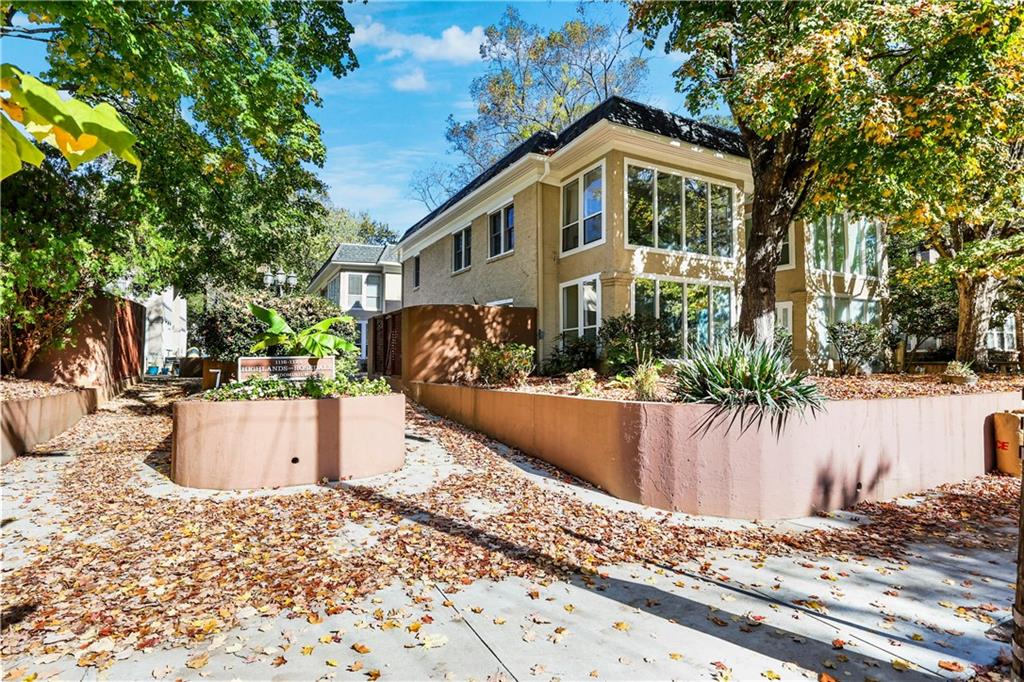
{"x": 290, "y": 367}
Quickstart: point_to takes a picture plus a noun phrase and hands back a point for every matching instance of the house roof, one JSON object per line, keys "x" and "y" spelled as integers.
{"x": 359, "y": 254}
{"x": 617, "y": 110}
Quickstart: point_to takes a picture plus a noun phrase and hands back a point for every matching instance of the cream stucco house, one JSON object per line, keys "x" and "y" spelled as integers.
{"x": 629, "y": 209}
{"x": 363, "y": 280}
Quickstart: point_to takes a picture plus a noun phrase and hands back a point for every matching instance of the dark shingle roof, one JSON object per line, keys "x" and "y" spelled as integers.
{"x": 363, "y": 254}
{"x": 616, "y": 110}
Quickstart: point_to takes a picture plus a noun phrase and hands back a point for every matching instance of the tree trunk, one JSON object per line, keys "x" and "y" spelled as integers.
{"x": 974, "y": 308}
{"x": 757, "y": 297}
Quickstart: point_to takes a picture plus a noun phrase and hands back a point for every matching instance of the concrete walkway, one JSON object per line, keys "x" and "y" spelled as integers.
{"x": 735, "y": 613}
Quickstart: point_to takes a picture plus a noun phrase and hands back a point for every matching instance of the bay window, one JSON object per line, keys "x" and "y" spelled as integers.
{"x": 699, "y": 312}
{"x": 666, "y": 210}
{"x": 581, "y": 307}
{"x": 364, "y": 290}
{"x": 583, "y": 210}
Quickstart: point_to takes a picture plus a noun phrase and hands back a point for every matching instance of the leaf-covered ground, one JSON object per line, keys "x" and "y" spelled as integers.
{"x": 108, "y": 566}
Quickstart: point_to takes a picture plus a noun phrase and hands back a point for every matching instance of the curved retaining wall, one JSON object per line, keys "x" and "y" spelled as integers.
{"x": 243, "y": 444}
{"x": 650, "y": 452}
{"x": 27, "y": 423}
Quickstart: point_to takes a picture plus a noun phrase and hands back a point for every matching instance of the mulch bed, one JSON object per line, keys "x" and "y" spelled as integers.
{"x": 22, "y": 389}
{"x": 834, "y": 388}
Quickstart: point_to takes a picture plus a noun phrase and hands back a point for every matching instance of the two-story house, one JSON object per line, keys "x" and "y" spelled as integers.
{"x": 628, "y": 209}
{"x": 363, "y": 280}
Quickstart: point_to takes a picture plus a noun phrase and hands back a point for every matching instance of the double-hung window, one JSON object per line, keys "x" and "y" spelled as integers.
{"x": 847, "y": 245}
{"x": 581, "y": 307}
{"x": 461, "y": 249}
{"x": 583, "y": 210}
{"x": 700, "y": 313}
{"x": 502, "y": 231}
{"x": 364, "y": 290}
{"x": 668, "y": 210}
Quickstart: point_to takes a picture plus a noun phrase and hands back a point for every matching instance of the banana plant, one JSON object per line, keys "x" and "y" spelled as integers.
{"x": 315, "y": 340}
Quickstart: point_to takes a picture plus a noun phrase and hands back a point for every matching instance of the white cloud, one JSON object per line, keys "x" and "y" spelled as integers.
{"x": 374, "y": 177}
{"x": 455, "y": 45}
{"x": 413, "y": 81}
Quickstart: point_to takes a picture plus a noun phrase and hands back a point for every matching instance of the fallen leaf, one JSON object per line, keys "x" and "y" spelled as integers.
{"x": 619, "y": 625}
{"x": 198, "y": 661}
{"x": 951, "y": 666}
{"x": 360, "y": 648}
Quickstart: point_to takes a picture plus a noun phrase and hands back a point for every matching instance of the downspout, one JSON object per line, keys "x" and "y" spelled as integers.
{"x": 540, "y": 257}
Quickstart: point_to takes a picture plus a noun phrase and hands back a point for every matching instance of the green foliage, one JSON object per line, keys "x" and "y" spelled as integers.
{"x": 257, "y": 388}
{"x": 783, "y": 340}
{"x": 314, "y": 340}
{"x": 571, "y": 353}
{"x": 622, "y": 335}
{"x": 225, "y": 329}
{"x": 855, "y": 344}
{"x": 66, "y": 235}
{"x": 746, "y": 383}
{"x": 535, "y": 79}
{"x": 218, "y": 95}
{"x": 582, "y": 381}
{"x": 78, "y": 131}
{"x": 921, "y": 304}
{"x": 339, "y": 225}
{"x": 642, "y": 379}
{"x": 502, "y": 364}
{"x": 851, "y": 104}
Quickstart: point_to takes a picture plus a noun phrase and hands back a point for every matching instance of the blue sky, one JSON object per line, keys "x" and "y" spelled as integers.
{"x": 387, "y": 118}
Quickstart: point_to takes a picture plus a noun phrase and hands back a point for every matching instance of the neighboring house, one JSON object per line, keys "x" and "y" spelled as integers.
{"x": 166, "y": 337}
{"x": 629, "y": 209}
{"x": 363, "y": 280}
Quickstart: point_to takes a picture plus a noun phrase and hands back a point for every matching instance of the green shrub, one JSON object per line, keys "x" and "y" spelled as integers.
{"x": 643, "y": 378}
{"x": 257, "y": 388}
{"x": 226, "y": 328}
{"x": 314, "y": 340}
{"x": 855, "y": 343}
{"x": 622, "y": 334}
{"x": 746, "y": 383}
{"x": 583, "y": 381}
{"x": 571, "y": 353}
{"x": 502, "y": 364}
{"x": 783, "y": 340}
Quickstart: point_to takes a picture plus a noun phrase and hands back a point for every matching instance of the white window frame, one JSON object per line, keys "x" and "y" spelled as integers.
{"x": 363, "y": 298}
{"x": 788, "y": 307}
{"x": 596, "y": 277}
{"x": 790, "y": 237}
{"x": 505, "y": 249}
{"x": 581, "y": 218}
{"x": 460, "y": 234}
{"x": 363, "y": 331}
{"x": 738, "y": 211}
{"x": 686, "y": 281}
{"x": 500, "y": 302}
{"x": 334, "y": 286}
{"x": 848, "y": 257}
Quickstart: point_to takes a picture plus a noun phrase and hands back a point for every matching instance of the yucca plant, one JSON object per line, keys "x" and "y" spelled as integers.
{"x": 746, "y": 383}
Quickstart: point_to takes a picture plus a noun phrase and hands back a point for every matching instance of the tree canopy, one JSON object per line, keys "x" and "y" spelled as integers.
{"x": 818, "y": 87}
{"x": 535, "y": 80}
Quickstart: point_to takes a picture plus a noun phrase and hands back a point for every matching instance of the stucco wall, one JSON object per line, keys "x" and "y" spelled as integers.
{"x": 27, "y": 423}
{"x": 652, "y": 453}
{"x": 437, "y": 340}
{"x": 106, "y": 350}
{"x": 271, "y": 443}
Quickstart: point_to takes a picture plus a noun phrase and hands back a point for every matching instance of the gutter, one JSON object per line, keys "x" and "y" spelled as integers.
{"x": 540, "y": 257}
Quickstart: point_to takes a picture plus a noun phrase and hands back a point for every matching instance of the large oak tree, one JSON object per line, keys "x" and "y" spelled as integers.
{"x": 815, "y": 86}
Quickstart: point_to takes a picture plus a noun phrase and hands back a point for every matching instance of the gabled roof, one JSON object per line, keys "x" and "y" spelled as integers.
{"x": 617, "y": 110}
{"x": 358, "y": 254}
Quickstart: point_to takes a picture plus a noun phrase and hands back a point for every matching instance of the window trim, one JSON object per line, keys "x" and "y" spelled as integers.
{"x": 686, "y": 281}
{"x": 596, "y": 277}
{"x": 791, "y": 234}
{"x": 415, "y": 272}
{"x": 578, "y": 177}
{"x": 362, "y": 294}
{"x": 501, "y": 213}
{"x": 460, "y": 234}
{"x": 786, "y": 305}
{"x": 738, "y": 210}
{"x": 848, "y": 258}
{"x": 500, "y": 302}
